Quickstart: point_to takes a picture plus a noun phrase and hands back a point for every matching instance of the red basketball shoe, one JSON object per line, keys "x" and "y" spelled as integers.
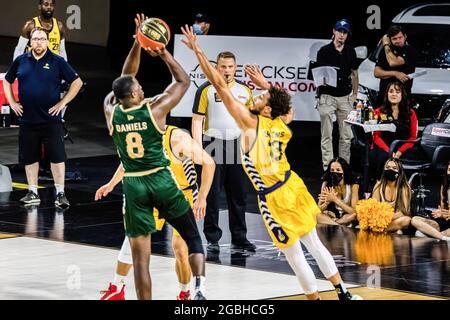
{"x": 113, "y": 294}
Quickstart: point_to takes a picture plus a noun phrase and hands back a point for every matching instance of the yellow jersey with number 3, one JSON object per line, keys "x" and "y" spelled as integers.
{"x": 287, "y": 208}
{"x": 54, "y": 36}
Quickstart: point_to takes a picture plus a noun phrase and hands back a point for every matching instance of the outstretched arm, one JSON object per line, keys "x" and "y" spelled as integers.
{"x": 130, "y": 67}
{"x": 133, "y": 60}
{"x": 237, "y": 110}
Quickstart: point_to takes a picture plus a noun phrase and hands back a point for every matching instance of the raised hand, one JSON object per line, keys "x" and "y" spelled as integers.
{"x": 140, "y": 17}
{"x": 191, "y": 38}
{"x": 255, "y": 74}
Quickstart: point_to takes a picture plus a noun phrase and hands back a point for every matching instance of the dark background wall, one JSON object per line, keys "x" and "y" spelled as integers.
{"x": 290, "y": 19}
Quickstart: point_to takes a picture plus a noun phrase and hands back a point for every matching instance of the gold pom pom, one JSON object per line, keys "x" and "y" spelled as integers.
{"x": 374, "y": 215}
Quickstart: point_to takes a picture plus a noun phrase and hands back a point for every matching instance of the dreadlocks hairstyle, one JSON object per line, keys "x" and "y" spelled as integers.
{"x": 401, "y": 204}
{"x": 279, "y": 101}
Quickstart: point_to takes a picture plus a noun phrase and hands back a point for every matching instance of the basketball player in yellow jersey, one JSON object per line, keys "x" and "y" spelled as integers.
{"x": 183, "y": 151}
{"x": 53, "y": 27}
{"x": 287, "y": 208}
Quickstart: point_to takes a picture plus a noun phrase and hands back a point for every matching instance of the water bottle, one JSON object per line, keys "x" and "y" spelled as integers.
{"x": 359, "y": 112}
{"x": 365, "y": 114}
{"x": 5, "y": 116}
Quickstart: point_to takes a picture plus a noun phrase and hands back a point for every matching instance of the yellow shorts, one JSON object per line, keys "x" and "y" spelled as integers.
{"x": 293, "y": 208}
{"x": 159, "y": 223}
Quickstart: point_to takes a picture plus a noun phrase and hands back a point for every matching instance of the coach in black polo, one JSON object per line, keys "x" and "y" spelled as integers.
{"x": 39, "y": 73}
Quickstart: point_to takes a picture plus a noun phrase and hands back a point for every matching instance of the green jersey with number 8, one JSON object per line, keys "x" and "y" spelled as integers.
{"x": 138, "y": 139}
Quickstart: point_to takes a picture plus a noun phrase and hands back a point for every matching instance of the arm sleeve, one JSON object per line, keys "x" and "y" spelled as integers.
{"x": 11, "y": 75}
{"x": 412, "y": 133}
{"x": 201, "y": 101}
{"x": 21, "y": 46}
{"x": 62, "y": 50}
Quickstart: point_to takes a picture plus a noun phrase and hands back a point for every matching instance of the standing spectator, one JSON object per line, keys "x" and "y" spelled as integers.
{"x": 337, "y": 101}
{"x": 395, "y": 62}
{"x": 53, "y": 27}
{"x": 439, "y": 225}
{"x": 394, "y": 189}
{"x": 395, "y": 109}
{"x": 201, "y": 24}
{"x": 339, "y": 194}
{"x": 221, "y": 140}
{"x": 39, "y": 73}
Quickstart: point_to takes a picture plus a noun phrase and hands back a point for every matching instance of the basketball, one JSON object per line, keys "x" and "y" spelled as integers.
{"x": 153, "y": 33}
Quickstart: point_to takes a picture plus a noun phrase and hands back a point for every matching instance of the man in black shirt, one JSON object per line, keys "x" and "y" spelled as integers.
{"x": 395, "y": 62}
{"x": 337, "y": 101}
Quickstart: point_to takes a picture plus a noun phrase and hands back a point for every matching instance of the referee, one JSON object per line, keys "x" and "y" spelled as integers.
{"x": 39, "y": 73}
{"x": 221, "y": 141}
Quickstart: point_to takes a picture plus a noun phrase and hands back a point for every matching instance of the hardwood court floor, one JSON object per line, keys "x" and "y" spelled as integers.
{"x": 405, "y": 263}
{"x": 371, "y": 294}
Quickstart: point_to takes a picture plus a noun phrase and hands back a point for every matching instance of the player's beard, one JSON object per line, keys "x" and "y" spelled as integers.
{"x": 47, "y": 15}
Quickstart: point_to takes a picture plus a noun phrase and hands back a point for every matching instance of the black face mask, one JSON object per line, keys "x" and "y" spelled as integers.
{"x": 391, "y": 175}
{"x": 335, "y": 178}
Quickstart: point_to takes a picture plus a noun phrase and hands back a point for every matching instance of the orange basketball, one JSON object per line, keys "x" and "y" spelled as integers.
{"x": 153, "y": 33}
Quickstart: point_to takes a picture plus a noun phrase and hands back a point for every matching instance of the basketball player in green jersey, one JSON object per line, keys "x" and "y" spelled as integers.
{"x": 137, "y": 127}
{"x": 53, "y": 27}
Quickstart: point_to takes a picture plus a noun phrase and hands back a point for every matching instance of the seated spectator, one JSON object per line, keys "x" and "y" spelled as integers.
{"x": 339, "y": 194}
{"x": 439, "y": 225}
{"x": 393, "y": 188}
{"x": 397, "y": 111}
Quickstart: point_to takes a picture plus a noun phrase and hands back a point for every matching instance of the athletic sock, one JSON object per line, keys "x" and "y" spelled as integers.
{"x": 199, "y": 283}
{"x": 119, "y": 281}
{"x": 59, "y": 188}
{"x": 184, "y": 286}
{"x": 33, "y": 188}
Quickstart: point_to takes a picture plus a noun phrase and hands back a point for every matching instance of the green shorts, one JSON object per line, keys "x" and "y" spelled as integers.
{"x": 142, "y": 194}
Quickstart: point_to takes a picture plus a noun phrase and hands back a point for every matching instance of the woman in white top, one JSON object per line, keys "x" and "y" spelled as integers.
{"x": 339, "y": 194}
{"x": 439, "y": 226}
{"x": 393, "y": 188}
